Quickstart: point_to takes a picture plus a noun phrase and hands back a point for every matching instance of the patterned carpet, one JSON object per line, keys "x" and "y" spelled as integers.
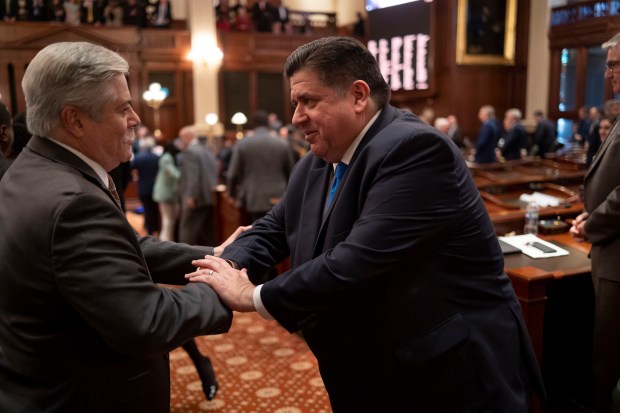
{"x": 260, "y": 367}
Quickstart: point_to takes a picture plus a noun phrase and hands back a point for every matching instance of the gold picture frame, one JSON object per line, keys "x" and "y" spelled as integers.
{"x": 485, "y": 34}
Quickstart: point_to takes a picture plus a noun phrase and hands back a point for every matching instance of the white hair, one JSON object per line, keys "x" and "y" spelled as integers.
{"x": 442, "y": 124}
{"x": 69, "y": 73}
{"x": 514, "y": 113}
{"x": 611, "y": 43}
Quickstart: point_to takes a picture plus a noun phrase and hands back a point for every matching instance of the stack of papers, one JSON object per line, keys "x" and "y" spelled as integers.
{"x": 534, "y": 247}
{"x": 541, "y": 199}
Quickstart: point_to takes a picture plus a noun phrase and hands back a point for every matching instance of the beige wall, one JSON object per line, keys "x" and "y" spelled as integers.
{"x": 537, "y": 95}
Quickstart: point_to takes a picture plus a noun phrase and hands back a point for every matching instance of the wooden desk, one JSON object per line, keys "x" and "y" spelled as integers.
{"x": 507, "y": 212}
{"x": 522, "y": 172}
{"x": 530, "y": 278}
{"x": 534, "y": 280}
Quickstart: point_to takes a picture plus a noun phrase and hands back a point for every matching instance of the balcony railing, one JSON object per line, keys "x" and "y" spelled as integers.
{"x": 587, "y": 10}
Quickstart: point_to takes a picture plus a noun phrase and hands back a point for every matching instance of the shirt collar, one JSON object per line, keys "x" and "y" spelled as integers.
{"x": 348, "y": 155}
{"x": 101, "y": 173}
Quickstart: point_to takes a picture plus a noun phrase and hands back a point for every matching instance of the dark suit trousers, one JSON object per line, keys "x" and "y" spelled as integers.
{"x": 606, "y": 359}
{"x": 198, "y": 226}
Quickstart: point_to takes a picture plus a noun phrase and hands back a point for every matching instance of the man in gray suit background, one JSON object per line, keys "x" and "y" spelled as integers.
{"x": 259, "y": 168}
{"x": 599, "y": 224}
{"x": 198, "y": 179}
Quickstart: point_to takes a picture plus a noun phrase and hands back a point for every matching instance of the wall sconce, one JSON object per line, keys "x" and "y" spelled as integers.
{"x": 239, "y": 119}
{"x": 154, "y": 97}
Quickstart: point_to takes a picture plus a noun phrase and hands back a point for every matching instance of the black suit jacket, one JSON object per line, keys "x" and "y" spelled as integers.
{"x": 486, "y": 142}
{"x": 514, "y": 140}
{"x": 399, "y": 288}
{"x": 83, "y": 326}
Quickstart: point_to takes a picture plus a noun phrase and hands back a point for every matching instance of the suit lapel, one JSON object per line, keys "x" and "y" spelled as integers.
{"x": 385, "y": 118}
{"x": 50, "y": 150}
{"x": 312, "y": 213}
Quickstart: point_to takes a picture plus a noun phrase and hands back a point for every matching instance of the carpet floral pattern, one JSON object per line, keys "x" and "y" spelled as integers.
{"x": 260, "y": 368}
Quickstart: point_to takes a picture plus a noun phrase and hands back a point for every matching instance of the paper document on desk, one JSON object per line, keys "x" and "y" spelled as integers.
{"x": 541, "y": 199}
{"x": 534, "y": 247}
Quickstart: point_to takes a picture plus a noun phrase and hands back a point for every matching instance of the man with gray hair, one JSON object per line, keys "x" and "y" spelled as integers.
{"x": 514, "y": 140}
{"x": 598, "y": 224}
{"x": 198, "y": 179}
{"x": 83, "y": 325}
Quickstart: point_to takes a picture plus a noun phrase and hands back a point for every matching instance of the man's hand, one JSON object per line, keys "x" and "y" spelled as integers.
{"x": 233, "y": 286}
{"x": 578, "y": 230}
{"x": 217, "y": 251}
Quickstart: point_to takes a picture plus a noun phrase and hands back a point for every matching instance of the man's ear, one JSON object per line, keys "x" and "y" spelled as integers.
{"x": 72, "y": 120}
{"x": 361, "y": 95}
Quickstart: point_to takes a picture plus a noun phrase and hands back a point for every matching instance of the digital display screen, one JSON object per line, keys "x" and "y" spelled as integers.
{"x": 382, "y": 4}
{"x": 400, "y": 40}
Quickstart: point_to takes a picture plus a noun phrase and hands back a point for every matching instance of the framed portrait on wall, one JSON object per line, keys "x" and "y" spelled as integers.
{"x": 486, "y": 32}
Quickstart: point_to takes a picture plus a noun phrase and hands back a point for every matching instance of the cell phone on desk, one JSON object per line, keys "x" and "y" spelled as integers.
{"x": 541, "y": 247}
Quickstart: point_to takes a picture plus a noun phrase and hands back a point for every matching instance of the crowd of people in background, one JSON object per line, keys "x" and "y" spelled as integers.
{"x": 142, "y": 13}
{"x": 262, "y": 16}
{"x": 509, "y": 138}
{"x": 175, "y": 179}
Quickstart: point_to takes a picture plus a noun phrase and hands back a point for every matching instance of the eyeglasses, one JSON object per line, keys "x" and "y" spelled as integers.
{"x": 611, "y": 65}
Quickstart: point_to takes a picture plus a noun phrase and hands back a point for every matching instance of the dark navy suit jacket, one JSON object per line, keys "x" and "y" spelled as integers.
{"x": 514, "y": 140}
{"x": 487, "y": 141}
{"x": 399, "y": 287}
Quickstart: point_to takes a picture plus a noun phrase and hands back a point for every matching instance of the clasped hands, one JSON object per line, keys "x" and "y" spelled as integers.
{"x": 578, "y": 230}
{"x": 231, "y": 285}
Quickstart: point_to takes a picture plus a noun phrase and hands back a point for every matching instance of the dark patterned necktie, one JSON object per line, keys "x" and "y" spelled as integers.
{"x": 340, "y": 170}
{"x": 114, "y": 192}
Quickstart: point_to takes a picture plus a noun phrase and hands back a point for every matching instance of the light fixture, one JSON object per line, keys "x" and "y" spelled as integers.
{"x": 239, "y": 119}
{"x": 154, "y": 97}
{"x": 211, "y": 118}
{"x": 205, "y": 52}
{"x": 213, "y": 129}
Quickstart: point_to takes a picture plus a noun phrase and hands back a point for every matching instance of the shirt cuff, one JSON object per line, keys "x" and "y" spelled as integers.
{"x": 258, "y": 304}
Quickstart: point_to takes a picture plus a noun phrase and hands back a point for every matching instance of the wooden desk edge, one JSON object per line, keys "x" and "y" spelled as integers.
{"x": 529, "y": 274}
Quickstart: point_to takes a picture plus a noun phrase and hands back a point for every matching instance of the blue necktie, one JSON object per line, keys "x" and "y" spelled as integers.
{"x": 340, "y": 170}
